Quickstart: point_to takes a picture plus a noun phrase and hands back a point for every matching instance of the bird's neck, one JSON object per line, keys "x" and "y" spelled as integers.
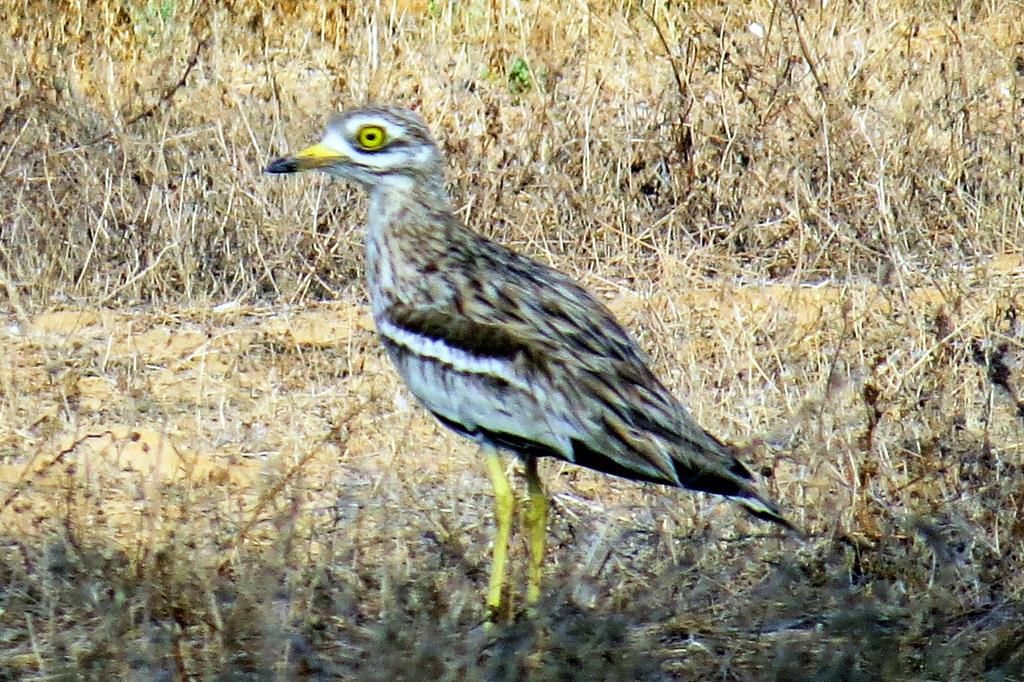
{"x": 401, "y": 230}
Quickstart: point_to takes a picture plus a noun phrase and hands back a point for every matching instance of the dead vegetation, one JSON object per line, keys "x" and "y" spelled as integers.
{"x": 810, "y": 215}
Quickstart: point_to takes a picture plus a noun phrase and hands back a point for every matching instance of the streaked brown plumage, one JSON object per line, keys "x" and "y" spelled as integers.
{"x": 500, "y": 347}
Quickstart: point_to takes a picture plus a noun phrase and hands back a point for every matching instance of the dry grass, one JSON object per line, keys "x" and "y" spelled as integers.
{"x": 208, "y": 472}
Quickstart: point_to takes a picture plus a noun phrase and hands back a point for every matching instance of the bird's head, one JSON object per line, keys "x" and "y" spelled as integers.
{"x": 373, "y": 146}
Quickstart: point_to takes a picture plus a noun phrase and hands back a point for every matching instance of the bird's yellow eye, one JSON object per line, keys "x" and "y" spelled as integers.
{"x": 370, "y": 137}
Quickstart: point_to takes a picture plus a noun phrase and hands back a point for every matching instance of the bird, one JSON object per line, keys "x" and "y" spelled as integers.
{"x": 506, "y": 350}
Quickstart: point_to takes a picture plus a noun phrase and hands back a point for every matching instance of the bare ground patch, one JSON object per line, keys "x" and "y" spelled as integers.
{"x": 180, "y": 465}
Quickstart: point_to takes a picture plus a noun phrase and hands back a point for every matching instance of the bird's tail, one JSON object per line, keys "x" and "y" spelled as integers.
{"x": 758, "y": 506}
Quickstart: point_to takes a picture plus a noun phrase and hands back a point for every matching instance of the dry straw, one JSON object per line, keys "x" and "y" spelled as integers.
{"x": 811, "y": 216}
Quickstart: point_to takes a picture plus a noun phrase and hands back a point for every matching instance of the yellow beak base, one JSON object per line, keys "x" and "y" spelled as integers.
{"x": 317, "y": 156}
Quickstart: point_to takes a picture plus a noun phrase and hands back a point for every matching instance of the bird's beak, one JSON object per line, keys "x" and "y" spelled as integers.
{"x": 317, "y": 156}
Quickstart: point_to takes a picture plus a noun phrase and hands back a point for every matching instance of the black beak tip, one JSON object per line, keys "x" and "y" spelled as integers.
{"x": 282, "y": 166}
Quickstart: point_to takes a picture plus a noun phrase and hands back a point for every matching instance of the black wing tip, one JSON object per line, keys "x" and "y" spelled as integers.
{"x": 766, "y": 511}
{"x": 775, "y": 517}
{"x": 281, "y": 166}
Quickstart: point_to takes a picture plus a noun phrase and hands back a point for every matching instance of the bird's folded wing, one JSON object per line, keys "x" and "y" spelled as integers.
{"x": 520, "y": 388}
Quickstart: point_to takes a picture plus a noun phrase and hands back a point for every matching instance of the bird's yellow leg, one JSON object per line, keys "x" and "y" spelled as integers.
{"x": 536, "y": 530}
{"x": 504, "y": 503}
